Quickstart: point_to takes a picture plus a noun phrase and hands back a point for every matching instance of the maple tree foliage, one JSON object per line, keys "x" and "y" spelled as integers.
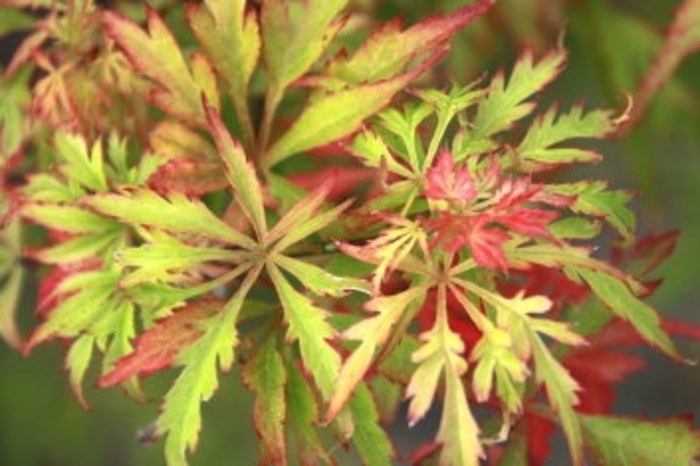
{"x": 352, "y": 250}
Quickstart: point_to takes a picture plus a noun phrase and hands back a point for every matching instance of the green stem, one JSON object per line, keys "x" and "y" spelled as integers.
{"x": 272, "y": 101}
{"x": 242, "y": 109}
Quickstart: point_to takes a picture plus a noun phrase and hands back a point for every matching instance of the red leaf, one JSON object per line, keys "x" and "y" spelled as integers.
{"x": 647, "y": 254}
{"x": 158, "y": 346}
{"x": 455, "y": 232}
{"x": 342, "y": 180}
{"x": 446, "y": 182}
{"x": 487, "y": 244}
{"x": 597, "y": 369}
{"x": 528, "y": 222}
{"x": 539, "y": 431}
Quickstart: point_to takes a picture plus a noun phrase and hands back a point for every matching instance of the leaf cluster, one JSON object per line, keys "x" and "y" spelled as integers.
{"x": 267, "y": 199}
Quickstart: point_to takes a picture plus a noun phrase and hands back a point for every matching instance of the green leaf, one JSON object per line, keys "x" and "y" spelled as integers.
{"x": 301, "y": 212}
{"x": 623, "y": 303}
{"x": 118, "y": 330}
{"x": 176, "y": 214}
{"x": 167, "y": 261}
{"x": 303, "y": 220}
{"x": 176, "y": 141}
{"x": 239, "y": 172}
{"x": 79, "y": 163}
{"x": 68, "y": 218}
{"x": 13, "y": 19}
{"x": 318, "y": 280}
{"x": 575, "y": 228}
{"x": 374, "y": 152}
{"x": 561, "y": 392}
{"x": 14, "y": 96}
{"x": 76, "y": 313}
{"x": 404, "y": 135}
{"x": 302, "y": 417}
{"x": 295, "y": 35}
{"x": 287, "y": 193}
{"x": 621, "y": 441}
{"x": 505, "y": 104}
{"x": 229, "y": 34}
{"x": 157, "y": 55}
{"x": 496, "y": 360}
{"x": 539, "y": 148}
{"x": 385, "y": 53}
{"x": 593, "y": 198}
{"x": 77, "y": 362}
{"x": 266, "y": 375}
{"x": 308, "y": 326}
{"x": 9, "y": 297}
{"x": 181, "y": 418}
{"x": 441, "y": 354}
{"x": 333, "y": 116}
{"x": 458, "y": 431}
{"x": 11, "y": 279}
{"x": 372, "y": 332}
{"x": 369, "y": 437}
{"x": 81, "y": 248}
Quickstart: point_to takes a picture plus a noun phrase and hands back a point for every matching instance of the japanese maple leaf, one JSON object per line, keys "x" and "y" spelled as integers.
{"x": 458, "y": 319}
{"x": 551, "y": 282}
{"x": 446, "y": 182}
{"x": 485, "y": 241}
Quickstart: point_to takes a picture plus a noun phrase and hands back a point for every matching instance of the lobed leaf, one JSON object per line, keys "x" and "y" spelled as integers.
{"x": 593, "y": 198}
{"x": 77, "y": 362}
{"x": 180, "y": 418}
{"x": 239, "y": 171}
{"x": 308, "y": 326}
{"x": 333, "y": 116}
{"x": 115, "y": 334}
{"x": 81, "y": 164}
{"x": 458, "y": 431}
{"x": 166, "y": 261}
{"x": 176, "y": 213}
{"x": 157, "y": 55}
{"x": 157, "y": 346}
{"x": 496, "y": 360}
{"x": 623, "y": 303}
{"x": 617, "y": 440}
{"x": 318, "y": 280}
{"x": 9, "y": 298}
{"x": 561, "y": 393}
{"x": 303, "y": 220}
{"x": 389, "y": 50}
{"x": 230, "y": 36}
{"x": 295, "y": 35}
{"x": 265, "y": 374}
{"x": 370, "y": 439}
{"x": 539, "y": 148}
{"x": 372, "y": 332}
{"x": 76, "y": 313}
{"x": 441, "y": 354}
{"x": 302, "y": 417}
{"x": 507, "y": 103}
{"x": 15, "y": 93}
{"x": 68, "y": 218}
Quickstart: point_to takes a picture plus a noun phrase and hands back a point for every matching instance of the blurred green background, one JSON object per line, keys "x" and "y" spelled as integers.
{"x": 611, "y": 44}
